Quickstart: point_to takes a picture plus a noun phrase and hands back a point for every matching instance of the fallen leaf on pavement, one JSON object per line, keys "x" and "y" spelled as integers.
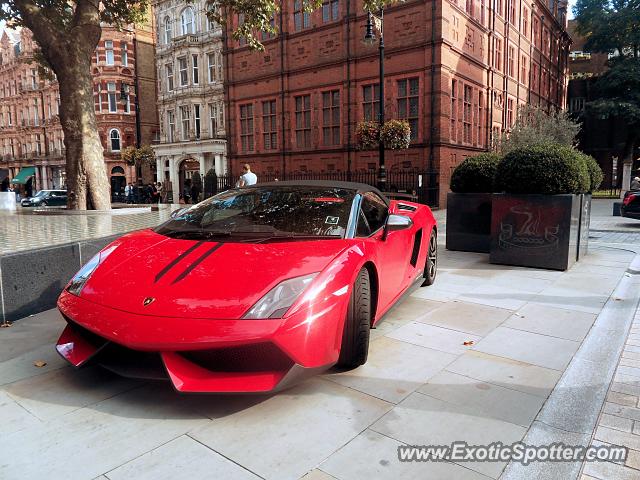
{"x": 468, "y": 342}
{"x": 39, "y": 363}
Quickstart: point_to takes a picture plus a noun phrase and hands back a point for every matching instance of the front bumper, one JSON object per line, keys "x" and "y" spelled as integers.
{"x": 202, "y": 355}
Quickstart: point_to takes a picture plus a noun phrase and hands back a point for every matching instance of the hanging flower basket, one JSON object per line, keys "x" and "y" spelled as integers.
{"x": 396, "y": 134}
{"x": 367, "y": 135}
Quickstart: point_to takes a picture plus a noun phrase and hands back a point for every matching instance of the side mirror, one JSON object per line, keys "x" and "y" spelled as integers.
{"x": 397, "y": 222}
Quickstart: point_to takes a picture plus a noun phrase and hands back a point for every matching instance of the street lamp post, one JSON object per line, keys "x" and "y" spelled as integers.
{"x": 370, "y": 39}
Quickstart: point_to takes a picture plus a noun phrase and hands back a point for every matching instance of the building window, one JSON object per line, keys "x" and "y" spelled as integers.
{"x": 303, "y": 121}
{"x": 480, "y": 117}
{"x": 213, "y": 119}
{"x": 525, "y": 22}
{"x": 498, "y": 55}
{"x": 454, "y": 109}
{"x": 108, "y": 48}
{"x": 534, "y": 77}
{"x": 114, "y": 137}
{"x": 534, "y": 33}
{"x": 169, "y": 69}
{"x": 499, "y": 7}
{"x": 187, "y": 21}
{"x": 246, "y": 127}
{"x": 125, "y": 56}
{"x": 167, "y": 30}
{"x": 331, "y": 117}
{"x": 466, "y": 114}
{"x": 371, "y": 101}
{"x": 194, "y": 66}
{"x": 171, "y": 126}
{"x": 576, "y": 104}
{"x": 185, "y": 122}
{"x": 268, "y": 35}
{"x": 184, "y": 75}
{"x": 301, "y": 19}
{"x": 408, "y": 103}
{"x": 512, "y": 12}
{"x": 269, "y": 135}
{"x": 509, "y": 112}
{"x": 34, "y": 78}
{"x": 196, "y": 120}
{"x": 111, "y": 93}
{"x": 211, "y": 64}
{"x": 523, "y": 70}
{"x": 511, "y": 62}
{"x": 330, "y": 10}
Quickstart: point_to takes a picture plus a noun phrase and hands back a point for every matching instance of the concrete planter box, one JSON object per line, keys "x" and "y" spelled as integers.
{"x": 541, "y": 231}
{"x": 469, "y": 222}
{"x": 585, "y": 220}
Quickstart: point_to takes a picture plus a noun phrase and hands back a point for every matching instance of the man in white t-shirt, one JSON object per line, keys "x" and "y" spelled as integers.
{"x": 247, "y": 178}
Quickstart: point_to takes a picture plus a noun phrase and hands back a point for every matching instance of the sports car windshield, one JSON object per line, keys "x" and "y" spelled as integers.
{"x": 268, "y": 213}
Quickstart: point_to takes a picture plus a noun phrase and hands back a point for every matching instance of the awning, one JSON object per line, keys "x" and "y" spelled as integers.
{"x": 23, "y": 175}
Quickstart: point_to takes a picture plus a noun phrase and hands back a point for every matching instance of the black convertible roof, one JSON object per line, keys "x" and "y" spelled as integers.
{"x": 363, "y": 187}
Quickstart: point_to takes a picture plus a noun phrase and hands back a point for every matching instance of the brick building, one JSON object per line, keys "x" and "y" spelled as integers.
{"x": 31, "y": 136}
{"x": 457, "y": 71}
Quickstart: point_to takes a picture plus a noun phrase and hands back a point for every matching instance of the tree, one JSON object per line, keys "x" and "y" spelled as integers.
{"x": 613, "y": 27}
{"x": 68, "y": 33}
{"x": 534, "y": 126}
{"x": 138, "y": 156}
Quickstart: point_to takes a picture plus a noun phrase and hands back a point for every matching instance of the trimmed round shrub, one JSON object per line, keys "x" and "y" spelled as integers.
{"x": 547, "y": 169}
{"x": 475, "y": 174}
{"x": 595, "y": 172}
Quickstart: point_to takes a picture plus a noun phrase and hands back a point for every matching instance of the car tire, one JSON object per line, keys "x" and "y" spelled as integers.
{"x": 357, "y": 327}
{"x": 431, "y": 263}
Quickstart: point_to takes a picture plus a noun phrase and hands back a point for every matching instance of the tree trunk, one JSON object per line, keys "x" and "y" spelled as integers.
{"x": 87, "y": 180}
{"x": 69, "y": 51}
{"x": 627, "y": 162}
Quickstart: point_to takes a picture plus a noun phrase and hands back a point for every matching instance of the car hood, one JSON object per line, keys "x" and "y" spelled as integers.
{"x": 199, "y": 279}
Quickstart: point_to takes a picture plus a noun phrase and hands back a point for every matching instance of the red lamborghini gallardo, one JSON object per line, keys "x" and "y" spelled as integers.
{"x": 251, "y": 289}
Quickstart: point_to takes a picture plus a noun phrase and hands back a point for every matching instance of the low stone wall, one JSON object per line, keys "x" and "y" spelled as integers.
{"x": 31, "y": 280}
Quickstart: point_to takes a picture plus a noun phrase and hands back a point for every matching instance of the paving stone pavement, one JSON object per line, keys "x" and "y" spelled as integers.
{"x": 421, "y": 385}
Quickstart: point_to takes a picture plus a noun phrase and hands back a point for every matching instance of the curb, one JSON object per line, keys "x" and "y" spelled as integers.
{"x": 571, "y": 412}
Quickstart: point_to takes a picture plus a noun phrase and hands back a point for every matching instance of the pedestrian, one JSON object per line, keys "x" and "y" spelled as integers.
{"x": 635, "y": 184}
{"x": 160, "y": 190}
{"x": 4, "y": 187}
{"x": 248, "y": 177}
{"x": 128, "y": 193}
{"x": 186, "y": 192}
{"x": 195, "y": 193}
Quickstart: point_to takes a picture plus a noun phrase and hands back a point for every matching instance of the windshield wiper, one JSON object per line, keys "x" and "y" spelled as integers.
{"x": 296, "y": 236}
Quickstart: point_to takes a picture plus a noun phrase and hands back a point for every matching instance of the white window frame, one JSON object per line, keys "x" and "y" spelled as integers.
{"x": 196, "y": 121}
{"x": 99, "y": 100}
{"x": 168, "y": 68}
{"x": 112, "y": 96}
{"x": 108, "y": 49}
{"x": 167, "y": 30}
{"x": 184, "y": 79}
{"x": 187, "y": 21}
{"x": 211, "y": 66}
{"x": 171, "y": 126}
{"x": 185, "y": 122}
{"x": 124, "y": 54}
{"x": 213, "y": 119}
{"x": 112, "y": 138}
{"x": 195, "y": 71}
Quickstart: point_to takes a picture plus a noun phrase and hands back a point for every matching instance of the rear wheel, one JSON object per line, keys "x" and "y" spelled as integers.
{"x": 357, "y": 327}
{"x": 431, "y": 264}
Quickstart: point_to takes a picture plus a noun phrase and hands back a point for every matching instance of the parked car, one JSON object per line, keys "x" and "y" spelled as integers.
{"x": 46, "y": 198}
{"x": 251, "y": 289}
{"x": 631, "y": 205}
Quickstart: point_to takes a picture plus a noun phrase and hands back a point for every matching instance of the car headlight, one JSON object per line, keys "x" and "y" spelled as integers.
{"x": 280, "y": 298}
{"x": 80, "y": 279}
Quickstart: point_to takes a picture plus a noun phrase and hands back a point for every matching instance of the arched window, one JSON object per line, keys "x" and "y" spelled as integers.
{"x": 114, "y": 136}
{"x": 188, "y": 24}
{"x": 117, "y": 170}
{"x": 167, "y": 30}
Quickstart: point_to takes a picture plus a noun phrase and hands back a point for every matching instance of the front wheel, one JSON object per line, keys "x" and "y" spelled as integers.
{"x": 431, "y": 264}
{"x": 355, "y": 337}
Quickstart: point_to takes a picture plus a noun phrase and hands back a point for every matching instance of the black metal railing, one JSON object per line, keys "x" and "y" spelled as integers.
{"x": 422, "y": 186}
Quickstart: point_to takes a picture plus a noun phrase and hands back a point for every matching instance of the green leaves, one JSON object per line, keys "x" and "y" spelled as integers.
{"x": 475, "y": 174}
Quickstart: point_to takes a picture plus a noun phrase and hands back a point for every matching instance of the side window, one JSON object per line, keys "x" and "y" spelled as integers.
{"x": 362, "y": 229}
{"x": 374, "y": 210}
